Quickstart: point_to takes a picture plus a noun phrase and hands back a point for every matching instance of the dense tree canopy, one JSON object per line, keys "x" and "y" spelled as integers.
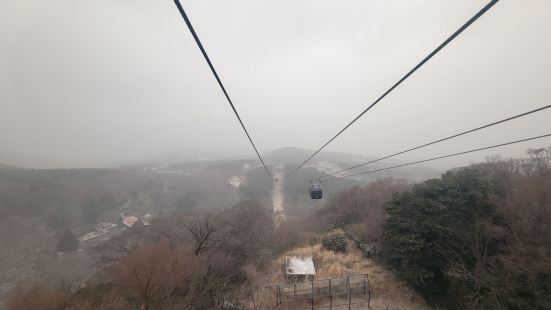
{"x": 459, "y": 242}
{"x": 68, "y": 242}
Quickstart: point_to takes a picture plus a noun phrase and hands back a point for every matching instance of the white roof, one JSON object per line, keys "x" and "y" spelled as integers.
{"x": 299, "y": 265}
{"x": 235, "y": 181}
{"x": 129, "y": 221}
{"x": 105, "y": 225}
{"x": 90, "y": 235}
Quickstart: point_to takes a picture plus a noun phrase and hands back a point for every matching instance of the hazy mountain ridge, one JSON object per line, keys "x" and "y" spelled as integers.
{"x": 289, "y": 155}
{"x": 23, "y": 160}
{"x": 8, "y": 167}
{"x": 338, "y": 161}
{"x": 183, "y": 161}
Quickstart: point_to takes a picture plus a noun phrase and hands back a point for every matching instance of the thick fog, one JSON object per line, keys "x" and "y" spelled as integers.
{"x": 88, "y": 83}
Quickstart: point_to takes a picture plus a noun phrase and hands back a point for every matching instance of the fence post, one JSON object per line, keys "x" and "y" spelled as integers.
{"x": 278, "y": 295}
{"x": 349, "y": 292}
{"x": 295, "y": 290}
{"x": 312, "y": 294}
{"x": 330, "y": 296}
{"x": 368, "y": 292}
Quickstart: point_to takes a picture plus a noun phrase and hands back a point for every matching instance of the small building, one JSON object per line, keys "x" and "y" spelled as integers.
{"x": 299, "y": 268}
{"x": 91, "y": 235}
{"x": 105, "y": 226}
{"x": 234, "y": 181}
{"x": 100, "y": 229}
{"x": 129, "y": 221}
{"x": 146, "y": 220}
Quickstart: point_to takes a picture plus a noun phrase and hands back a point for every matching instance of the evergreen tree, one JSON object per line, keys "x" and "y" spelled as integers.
{"x": 90, "y": 211}
{"x": 68, "y": 242}
{"x": 432, "y": 231}
{"x": 59, "y": 217}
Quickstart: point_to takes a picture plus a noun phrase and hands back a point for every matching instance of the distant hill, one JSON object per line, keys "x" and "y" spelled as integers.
{"x": 171, "y": 158}
{"x": 8, "y": 167}
{"x": 336, "y": 160}
{"x": 25, "y": 160}
{"x": 188, "y": 161}
{"x": 289, "y": 155}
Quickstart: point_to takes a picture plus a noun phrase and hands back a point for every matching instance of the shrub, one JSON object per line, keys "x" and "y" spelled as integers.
{"x": 335, "y": 241}
{"x": 37, "y": 296}
{"x": 68, "y": 242}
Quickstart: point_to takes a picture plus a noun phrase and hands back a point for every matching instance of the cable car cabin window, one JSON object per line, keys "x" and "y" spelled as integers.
{"x": 315, "y": 190}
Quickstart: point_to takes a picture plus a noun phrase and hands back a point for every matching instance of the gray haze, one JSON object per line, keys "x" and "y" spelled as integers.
{"x": 84, "y": 83}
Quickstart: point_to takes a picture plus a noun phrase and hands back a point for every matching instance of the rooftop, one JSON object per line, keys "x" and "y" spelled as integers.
{"x": 299, "y": 265}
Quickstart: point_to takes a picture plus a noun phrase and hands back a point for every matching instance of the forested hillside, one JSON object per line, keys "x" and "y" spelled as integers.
{"x": 478, "y": 237}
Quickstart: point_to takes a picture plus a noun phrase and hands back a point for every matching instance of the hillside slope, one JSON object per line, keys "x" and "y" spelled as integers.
{"x": 387, "y": 292}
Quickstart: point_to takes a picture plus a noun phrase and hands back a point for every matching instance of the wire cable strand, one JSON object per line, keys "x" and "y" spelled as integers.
{"x": 419, "y": 65}
{"x": 441, "y": 157}
{"x": 439, "y": 140}
{"x": 190, "y": 27}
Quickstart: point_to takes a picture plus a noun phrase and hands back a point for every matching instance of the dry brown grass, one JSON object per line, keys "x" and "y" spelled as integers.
{"x": 387, "y": 292}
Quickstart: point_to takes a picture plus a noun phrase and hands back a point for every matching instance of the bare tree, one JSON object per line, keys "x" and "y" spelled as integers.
{"x": 204, "y": 232}
{"x": 37, "y": 296}
{"x": 155, "y": 273}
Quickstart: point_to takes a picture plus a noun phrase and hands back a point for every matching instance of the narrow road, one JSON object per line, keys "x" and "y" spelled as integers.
{"x": 277, "y": 196}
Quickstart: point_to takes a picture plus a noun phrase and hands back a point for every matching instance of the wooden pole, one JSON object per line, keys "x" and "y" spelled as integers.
{"x": 368, "y": 292}
{"x": 312, "y": 294}
{"x": 330, "y": 296}
{"x": 349, "y": 293}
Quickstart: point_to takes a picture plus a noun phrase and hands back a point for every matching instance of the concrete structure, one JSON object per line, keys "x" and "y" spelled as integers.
{"x": 91, "y": 235}
{"x": 299, "y": 268}
{"x": 101, "y": 229}
{"x": 105, "y": 226}
{"x": 234, "y": 181}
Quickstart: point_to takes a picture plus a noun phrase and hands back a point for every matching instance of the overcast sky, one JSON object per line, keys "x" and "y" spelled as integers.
{"x": 89, "y": 82}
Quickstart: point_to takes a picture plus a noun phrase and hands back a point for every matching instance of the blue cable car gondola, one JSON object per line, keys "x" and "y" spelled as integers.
{"x": 315, "y": 189}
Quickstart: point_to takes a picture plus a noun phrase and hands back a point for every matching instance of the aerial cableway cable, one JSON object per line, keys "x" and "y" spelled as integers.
{"x": 419, "y": 65}
{"x": 440, "y": 157}
{"x": 190, "y": 27}
{"x": 439, "y": 140}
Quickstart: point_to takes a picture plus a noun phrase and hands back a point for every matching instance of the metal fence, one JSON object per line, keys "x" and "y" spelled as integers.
{"x": 366, "y": 249}
{"x": 321, "y": 293}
